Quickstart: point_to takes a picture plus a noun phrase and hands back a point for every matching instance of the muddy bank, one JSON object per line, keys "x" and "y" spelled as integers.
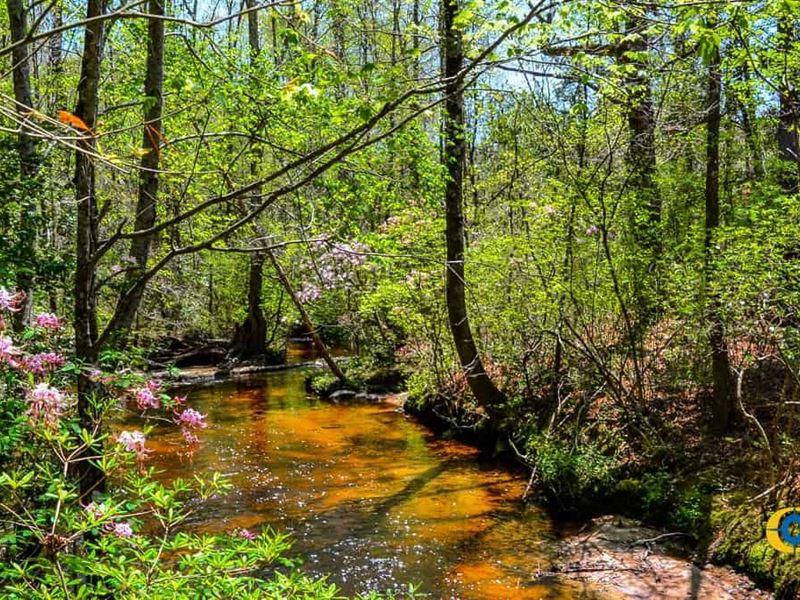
{"x": 621, "y": 556}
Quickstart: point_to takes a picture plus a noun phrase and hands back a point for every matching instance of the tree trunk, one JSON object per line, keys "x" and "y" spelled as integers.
{"x": 250, "y": 338}
{"x": 252, "y": 31}
{"x": 147, "y": 202}
{"x": 89, "y": 475}
{"x": 454, "y": 158}
{"x": 722, "y": 395}
{"x": 56, "y": 58}
{"x": 322, "y": 350}
{"x": 748, "y": 113}
{"x": 26, "y": 145}
{"x": 641, "y": 159}
{"x": 789, "y": 119}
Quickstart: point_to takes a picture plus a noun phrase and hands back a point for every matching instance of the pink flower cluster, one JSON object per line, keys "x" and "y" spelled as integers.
{"x": 333, "y": 267}
{"x": 98, "y": 376}
{"x": 308, "y": 293}
{"x": 96, "y": 511}
{"x": 7, "y": 351}
{"x": 46, "y": 403}
{"x": 133, "y": 441}
{"x": 189, "y": 437}
{"x": 147, "y": 397}
{"x": 9, "y": 301}
{"x": 244, "y": 533}
{"x": 42, "y": 363}
{"x": 48, "y": 321}
{"x": 121, "y": 530}
{"x": 191, "y": 419}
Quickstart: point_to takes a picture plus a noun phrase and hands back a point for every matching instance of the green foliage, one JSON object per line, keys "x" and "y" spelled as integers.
{"x": 743, "y": 546}
{"x": 666, "y": 500}
{"x": 575, "y": 475}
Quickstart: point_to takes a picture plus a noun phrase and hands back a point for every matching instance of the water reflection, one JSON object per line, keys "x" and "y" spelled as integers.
{"x": 369, "y": 496}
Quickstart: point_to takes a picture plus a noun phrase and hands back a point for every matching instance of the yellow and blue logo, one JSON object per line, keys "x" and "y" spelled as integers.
{"x": 783, "y": 530}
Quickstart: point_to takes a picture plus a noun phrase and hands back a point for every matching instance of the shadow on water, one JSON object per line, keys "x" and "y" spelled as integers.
{"x": 369, "y": 496}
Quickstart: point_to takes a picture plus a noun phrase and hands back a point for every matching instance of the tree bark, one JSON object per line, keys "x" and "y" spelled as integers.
{"x": 89, "y": 475}
{"x": 454, "y": 158}
{"x": 147, "y": 202}
{"x": 250, "y": 338}
{"x": 748, "y": 113}
{"x": 722, "y": 394}
{"x": 26, "y": 147}
{"x": 252, "y": 31}
{"x": 641, "y": 159}
{"x": 789, "y": 118}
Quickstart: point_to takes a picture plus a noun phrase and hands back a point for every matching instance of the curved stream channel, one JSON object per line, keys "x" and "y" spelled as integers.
{"x": 370, "y": 497}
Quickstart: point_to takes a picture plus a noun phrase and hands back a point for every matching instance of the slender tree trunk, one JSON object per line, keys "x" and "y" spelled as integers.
{"x": 722, "y": 395}
{"x": 147, "y": 202}
{"x": 89, "y": 475}
{"x": 252, "y": 31}
{"x": 789, "y": 121}
{"x": 641, "y": 159}
{"x": 641, "y": 123}
{"x": 322, "y": 350}
{"x": 26, "y": 145}
{"x": 454, "y": 158}
{"x": 56, "y": 58}
{"x": 250, "y": 338}
{"x": 747, "y": 110}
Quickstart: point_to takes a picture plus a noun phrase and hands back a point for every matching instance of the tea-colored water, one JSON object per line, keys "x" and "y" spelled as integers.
{"x": 371, "y": 498}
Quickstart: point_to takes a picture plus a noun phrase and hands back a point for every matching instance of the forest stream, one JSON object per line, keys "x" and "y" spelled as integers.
{"x": 377, "y": 502}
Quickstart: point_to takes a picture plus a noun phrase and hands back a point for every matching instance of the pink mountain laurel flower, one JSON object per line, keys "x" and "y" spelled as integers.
{"x": 133, "y": 441}
{"x": 145, "y": 398}
{"x": 592, "y": 229}
{"x": 121, "y": 530}
{"x": 46, "y": 403}
{"x": 245, "y": 533}
{"x": 189, "y": 437}
{"x": 154, "y": 385}
{"x": 8, "y": 351}
{"x": 179, "y": 400}
{"x": 308, "y": 293}
{"x": 42, "y": 363}
{"x": 191, "y": 418}
{"x": 10, "y": 302}
{"x": 48, "y": 321}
